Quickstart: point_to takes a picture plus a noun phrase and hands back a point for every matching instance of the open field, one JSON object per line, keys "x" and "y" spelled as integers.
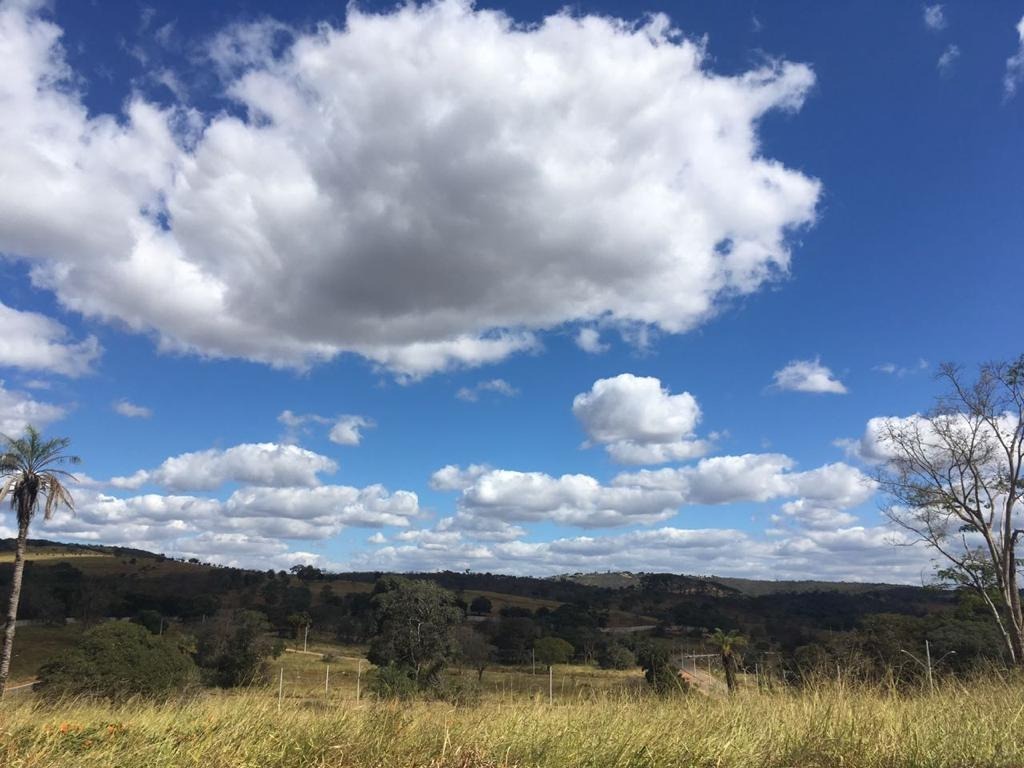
{"x": 830, "y": 726}
{"x": 308, "y": 677}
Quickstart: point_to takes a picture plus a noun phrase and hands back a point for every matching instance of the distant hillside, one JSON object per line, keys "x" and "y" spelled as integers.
{"x": 756, "y": 588}
{"x": 716, "y": 585}
{"x": 88, "y": 582}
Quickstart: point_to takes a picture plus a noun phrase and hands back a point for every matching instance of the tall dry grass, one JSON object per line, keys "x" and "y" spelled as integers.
{"x": 973, "y": 725}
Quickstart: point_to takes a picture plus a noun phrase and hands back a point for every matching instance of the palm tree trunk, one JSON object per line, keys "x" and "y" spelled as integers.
{"x": 12, "y": 606}
{"x": 730, "y": 672}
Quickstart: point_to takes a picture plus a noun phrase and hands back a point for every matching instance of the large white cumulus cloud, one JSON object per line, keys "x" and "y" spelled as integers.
{"x": 426, "y": 187}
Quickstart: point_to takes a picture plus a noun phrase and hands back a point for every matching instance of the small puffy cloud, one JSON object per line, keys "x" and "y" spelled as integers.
{"x": 589, "y": 340}
{"x": 497, "y": 386}
{"x": 1015, "y": 64}
{"x": 130, "y": 410}
{"x": 454, "y": 478}
{"x": 948, "y": 60}
{"x": 35, "y": 342}
{"x": 935, "y": 17}
{"x": 359, "y": 168}
{"x": 262, "y": 464}
{"x": 639, "y": 421}
{"x": 18, "y": 410}
{"x": 295, "y": 424}
{"x": 347, "y": 430}
{"x": 808, "y": 376}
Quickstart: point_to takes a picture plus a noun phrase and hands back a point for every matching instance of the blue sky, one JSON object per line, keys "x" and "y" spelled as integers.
{"x": 639, "y": 277}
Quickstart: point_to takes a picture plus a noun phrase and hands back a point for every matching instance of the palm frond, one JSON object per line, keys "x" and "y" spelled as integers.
{"x": 56, "y": 495}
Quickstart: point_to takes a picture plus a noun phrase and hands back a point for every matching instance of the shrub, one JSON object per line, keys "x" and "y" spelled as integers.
{"x": 392, "y": 682}
{"x": 233, "y": 648}
{"x": 661, "y": 675}
{"x": 480, "y": 606}
{"x": 553, "y": 650}
{"x": 118, "y": 659}
{"x": 615, "y": 656}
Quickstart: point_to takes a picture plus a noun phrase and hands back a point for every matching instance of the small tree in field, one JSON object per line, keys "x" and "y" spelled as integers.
{"x": 660, "y": 673}
{"x": 480, "y": 606}
{"x": 728, "y": 644}
{"x": 954, "y": 479}
{"x": 553, "y": 650}
{"x": 415, "y": 632}
{"x": 233, "y": 647}
{"x": 29, "y": 470}
{"x": 473, "y": 650}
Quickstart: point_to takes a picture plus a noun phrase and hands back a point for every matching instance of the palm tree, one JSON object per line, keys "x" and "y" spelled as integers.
{"x": 727, "y": 643}
{"x": 29, "y": 468}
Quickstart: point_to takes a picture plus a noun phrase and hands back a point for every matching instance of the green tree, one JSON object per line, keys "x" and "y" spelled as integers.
{"x": 659, "y": 671}
{"x": 233, "y": 647}
{"x": 612, "y": 655}
{"x": 118, "y": 659}
{"x": 30, "y": 470}
{"x": 480, "y": 606}
{"x": 728, "y": 644}
{"x": 473, "y": 650}
{"x": 415, "y": 628}
{"x": 553, "y": 650}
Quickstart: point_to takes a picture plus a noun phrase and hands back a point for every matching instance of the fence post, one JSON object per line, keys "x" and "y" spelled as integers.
{"x": 327, "y": 683}
{"x": 280, "y": 689}
{"x": 359, "y": 677}
{"x": 551, "y": 685}
{"x": 928, "y": 656}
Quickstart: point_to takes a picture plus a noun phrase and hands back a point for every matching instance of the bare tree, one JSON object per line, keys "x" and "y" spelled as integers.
{"x": 954, "y": 479}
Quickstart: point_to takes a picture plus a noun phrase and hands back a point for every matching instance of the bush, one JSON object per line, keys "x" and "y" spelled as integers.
{"x": 661, "y": 675}
{"x": 118, "y": 659}
{"x": 233, "y": 648}
{"x": 553, "y": 650}
{"x": 480, "y": 606}
{"x": 392, "y": 682}
{"x": 615, "y": 656}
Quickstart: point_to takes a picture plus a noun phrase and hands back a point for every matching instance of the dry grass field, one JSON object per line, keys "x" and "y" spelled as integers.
{"x": 970, "y": 726}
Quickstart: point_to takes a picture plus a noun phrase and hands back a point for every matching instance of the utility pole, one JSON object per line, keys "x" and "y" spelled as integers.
{"x": 305, "y": 639}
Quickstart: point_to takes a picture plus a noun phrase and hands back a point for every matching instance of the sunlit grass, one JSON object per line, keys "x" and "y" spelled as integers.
{"x": 973, "y": 725}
